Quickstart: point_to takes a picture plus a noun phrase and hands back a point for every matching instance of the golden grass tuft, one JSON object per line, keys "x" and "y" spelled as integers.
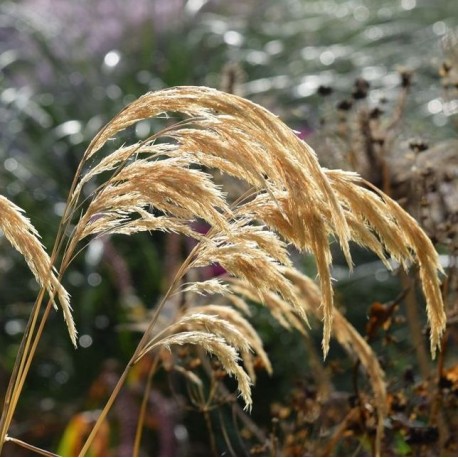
{"x": 25, "y": 239}
{"x": 163, "y": 183}
{"x": 293, "y": 196}
{"x": 159, "y": 184}
{"x": 245, "y": 329}
{"x": 215, "y": 345}
{"x": 309, "y": 296}
{"x": 222, "y": 322}
{"x": 402, "y": 237}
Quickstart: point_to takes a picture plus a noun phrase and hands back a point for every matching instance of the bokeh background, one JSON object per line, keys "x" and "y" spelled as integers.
{"x": 68, "y": 67}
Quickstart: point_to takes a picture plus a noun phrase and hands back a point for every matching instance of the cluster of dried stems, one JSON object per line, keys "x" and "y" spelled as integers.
{"x": 164, "y": 183}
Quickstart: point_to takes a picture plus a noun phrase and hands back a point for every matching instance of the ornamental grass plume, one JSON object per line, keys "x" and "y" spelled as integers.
{"x": 19, "y": 231}
{"x": 221, "y": 331}
{"x": 294, "y": 196}
{"x": 234, "y": 317}
{"x": 309, "y": 295}
{"x": 164, "y": 183}
{"x": 215, "y": 345}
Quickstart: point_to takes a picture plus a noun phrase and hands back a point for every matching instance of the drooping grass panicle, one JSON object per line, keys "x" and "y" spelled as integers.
{"x": 145, "y": 178}
{"x": 215, "y": 345}
{"x": 370, "y": 208}
{"x": 241, "y": 253}
{"x": 127, "y": 225}
{"x": 313, "y": 237}
{"x": 284, "y": 312}
{"x": 120, "y": 157}
{"x": 199, "y": 321}
{"x": 204, "y": 320}
{"x": 403, "y": 238}
{"x": 25, "y": 239}
{"x": 375, "y": 221}
{"x": 248, "y": 331}
{"x": 269, "y": 212}
{"x": 206, "y": 287}
{"x": 295, "y": 197}
{"x": 169, "y": 186}
{"x": 230, "y": 133}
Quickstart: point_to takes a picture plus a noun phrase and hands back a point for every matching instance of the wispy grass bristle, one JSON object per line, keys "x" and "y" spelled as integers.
{"x": 215, "y": 345}
{"x": 284, "y": 312}
{"x": 211, "y": 286}
{"x": 165, "y": 183}
{"x": 245, "y": 329}
{"x": 200, "y": 321}
{"x": 25, "y": 239}
{"x": 240, "y": 255}
{"x": 295, "y": 197}
{"x": 403, "y": 239}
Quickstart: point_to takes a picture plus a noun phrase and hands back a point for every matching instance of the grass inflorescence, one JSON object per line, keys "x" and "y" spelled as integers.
{"x": 166, "y": 183}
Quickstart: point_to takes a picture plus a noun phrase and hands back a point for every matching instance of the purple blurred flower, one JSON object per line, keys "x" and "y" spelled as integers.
{"x": 213, "y": 270}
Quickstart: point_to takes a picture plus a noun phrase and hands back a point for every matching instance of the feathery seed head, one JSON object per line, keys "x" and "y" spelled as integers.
{"x": 25, "y": 239}
{"x": 296, "y": 198}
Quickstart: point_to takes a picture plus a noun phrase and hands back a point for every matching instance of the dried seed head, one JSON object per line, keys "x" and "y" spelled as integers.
{"x": 25, "y": 239}
{"x": 296, "y": 198}
{"x": 215, "y": 345}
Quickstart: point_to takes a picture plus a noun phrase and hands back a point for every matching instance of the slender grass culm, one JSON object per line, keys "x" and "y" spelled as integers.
{"x": 165, "y": 183}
